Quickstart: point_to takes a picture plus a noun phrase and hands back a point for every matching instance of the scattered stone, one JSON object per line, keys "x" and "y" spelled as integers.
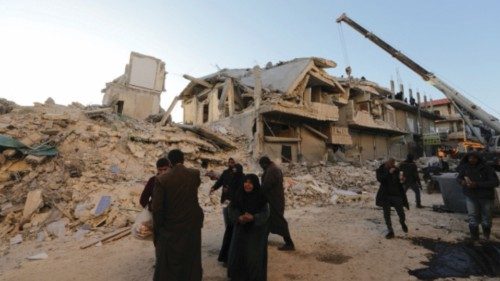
{"x": 35, "y": 160}
{"x": 34, "y": 201}
{"x": 9, "y": 153}
{"x": 39, "y": 256}
{"x": 16, "y": 239}
{"x": 57, "y": 228}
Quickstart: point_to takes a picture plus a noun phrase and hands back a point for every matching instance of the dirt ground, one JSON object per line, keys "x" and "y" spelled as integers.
{"x": 339, "y": 242}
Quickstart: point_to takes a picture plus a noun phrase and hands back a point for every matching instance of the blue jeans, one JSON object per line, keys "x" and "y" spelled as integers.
{"x": 479, "y": 211}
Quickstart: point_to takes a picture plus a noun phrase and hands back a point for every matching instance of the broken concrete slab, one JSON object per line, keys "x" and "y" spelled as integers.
{"x": 18, "y": 239}
{"x": 34, "y": 201}
{"x": 56, "y": 117}
{"x": 39, "y": 256}
{"x": 57, "y": 228}
{"x": 221, "y": 141}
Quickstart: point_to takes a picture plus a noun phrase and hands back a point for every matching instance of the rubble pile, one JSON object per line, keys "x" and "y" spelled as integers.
{"x": 69, "y": 172}
{"x": 329, "y": 184}
{"x": 91, "y": 172}
{"x": 6, "y": 106}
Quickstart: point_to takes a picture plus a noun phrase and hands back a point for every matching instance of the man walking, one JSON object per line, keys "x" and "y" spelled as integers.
{"x": 391, "y": 194}
{"x": 272, "y": 186}
{"x": 479, "y": 181}
{"x": 411, "y": 179}
{"x": 178, "y": 219}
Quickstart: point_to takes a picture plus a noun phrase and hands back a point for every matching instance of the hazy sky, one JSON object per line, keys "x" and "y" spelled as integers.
{"x": 68, "y": 50}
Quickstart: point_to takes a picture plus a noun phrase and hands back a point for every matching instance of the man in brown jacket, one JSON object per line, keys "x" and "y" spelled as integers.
{"x": 178, "y": 219}
{"x": 272, "y": 187}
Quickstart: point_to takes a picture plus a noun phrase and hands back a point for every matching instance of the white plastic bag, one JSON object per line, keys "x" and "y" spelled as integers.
{"x": 143, "y": 226}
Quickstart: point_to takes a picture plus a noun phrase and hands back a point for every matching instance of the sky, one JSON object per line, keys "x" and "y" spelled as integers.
{"x": 69, "y": 49}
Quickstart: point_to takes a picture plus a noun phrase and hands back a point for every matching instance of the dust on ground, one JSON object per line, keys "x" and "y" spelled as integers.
{"x": 336, "y": 242}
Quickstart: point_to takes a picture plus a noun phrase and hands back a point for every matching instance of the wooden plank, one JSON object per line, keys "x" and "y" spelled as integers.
{"x": 117, "y": 237}
{"x": 105, "y": 237}
{"x": 281, "y": 139}
{"x": 198, "y": 81}
{"x": 316, "y": 132}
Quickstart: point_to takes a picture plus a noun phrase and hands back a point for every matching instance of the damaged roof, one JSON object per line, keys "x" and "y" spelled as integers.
{"x": 281, "y": 77}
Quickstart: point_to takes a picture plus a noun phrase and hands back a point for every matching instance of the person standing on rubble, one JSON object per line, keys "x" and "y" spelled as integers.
{"x": 235, "y": 184}
{"x": 411, "y": 178}
{"x": 162, "y": 166}
{"x": 391, "y": 194}
{"x": 177, "y": 219}
{"x": 272, "y": 187}
{"x": 479, "y": 181}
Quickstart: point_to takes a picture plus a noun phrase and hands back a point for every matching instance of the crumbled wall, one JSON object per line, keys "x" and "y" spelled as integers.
{"x": 313, "y": 148}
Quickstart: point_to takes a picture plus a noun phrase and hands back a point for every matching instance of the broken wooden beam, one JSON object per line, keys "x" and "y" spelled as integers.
{"x": 198, "y": 81}
{"x": 281, "y": 139}
{"x": 316, "y": 132}
{"x": 105, "y": 237}
{"x": 117, "y": 237}
{"x": 220, "y": 141}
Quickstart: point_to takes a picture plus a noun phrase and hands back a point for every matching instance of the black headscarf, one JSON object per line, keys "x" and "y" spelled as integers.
{"x": 250, "y": 202}
{"x": 236, "y": 181}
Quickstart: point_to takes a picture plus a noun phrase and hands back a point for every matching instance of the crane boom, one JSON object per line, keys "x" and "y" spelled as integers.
{"x": 453, "y": 95}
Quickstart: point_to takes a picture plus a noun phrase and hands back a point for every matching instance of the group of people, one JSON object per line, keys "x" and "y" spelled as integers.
{"x": 478, "y": 181}
{"x": 253, "y": 209}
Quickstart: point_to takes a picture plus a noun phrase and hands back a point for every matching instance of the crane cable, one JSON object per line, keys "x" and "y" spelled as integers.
{"x": 343, "y": 45}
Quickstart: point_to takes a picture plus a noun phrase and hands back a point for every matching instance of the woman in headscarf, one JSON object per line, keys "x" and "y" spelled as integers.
{"x": 249, "y": 213}
{"x": 235, "y": 184}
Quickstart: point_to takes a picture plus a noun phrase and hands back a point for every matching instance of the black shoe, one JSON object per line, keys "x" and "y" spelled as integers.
{"x": 420, "y": 206}
{"x": 487, "y": 232}
{"x": 474, "y": 232}
{"x": 389, "y": 235}
{"x": 404, "y": 227}
{"x": 287, "y": 247}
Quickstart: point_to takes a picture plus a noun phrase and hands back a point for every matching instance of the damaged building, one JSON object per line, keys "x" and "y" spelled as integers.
{"x": 296, "y": 112}
{"x": 137, "y": 92}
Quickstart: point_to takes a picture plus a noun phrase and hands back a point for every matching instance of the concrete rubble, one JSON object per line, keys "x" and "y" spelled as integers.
{"x": 92, "y": 186}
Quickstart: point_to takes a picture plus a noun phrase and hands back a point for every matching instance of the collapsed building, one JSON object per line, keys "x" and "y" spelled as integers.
{"x": 296, "y": 112}
{"x": 137, "y": 92}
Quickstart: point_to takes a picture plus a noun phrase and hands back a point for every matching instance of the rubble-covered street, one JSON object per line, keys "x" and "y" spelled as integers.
{"x": 249, "y": 141}
{"x": 67, "y": 216}
{"x": 336, "y": 242}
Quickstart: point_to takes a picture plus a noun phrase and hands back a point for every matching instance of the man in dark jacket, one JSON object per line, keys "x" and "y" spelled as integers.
{"x": 272, "y": 187}
{"x": 479, "y": 181}
{"x": 391, "y": 194}
{"x": 178, "y": 219}
{"x": 411, "y": 178}
{"x": 225, "y": 181}
{"x": 162, "y": 166}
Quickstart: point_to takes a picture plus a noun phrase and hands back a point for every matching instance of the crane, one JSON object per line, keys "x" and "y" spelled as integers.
{"x": 456, "y": 98}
